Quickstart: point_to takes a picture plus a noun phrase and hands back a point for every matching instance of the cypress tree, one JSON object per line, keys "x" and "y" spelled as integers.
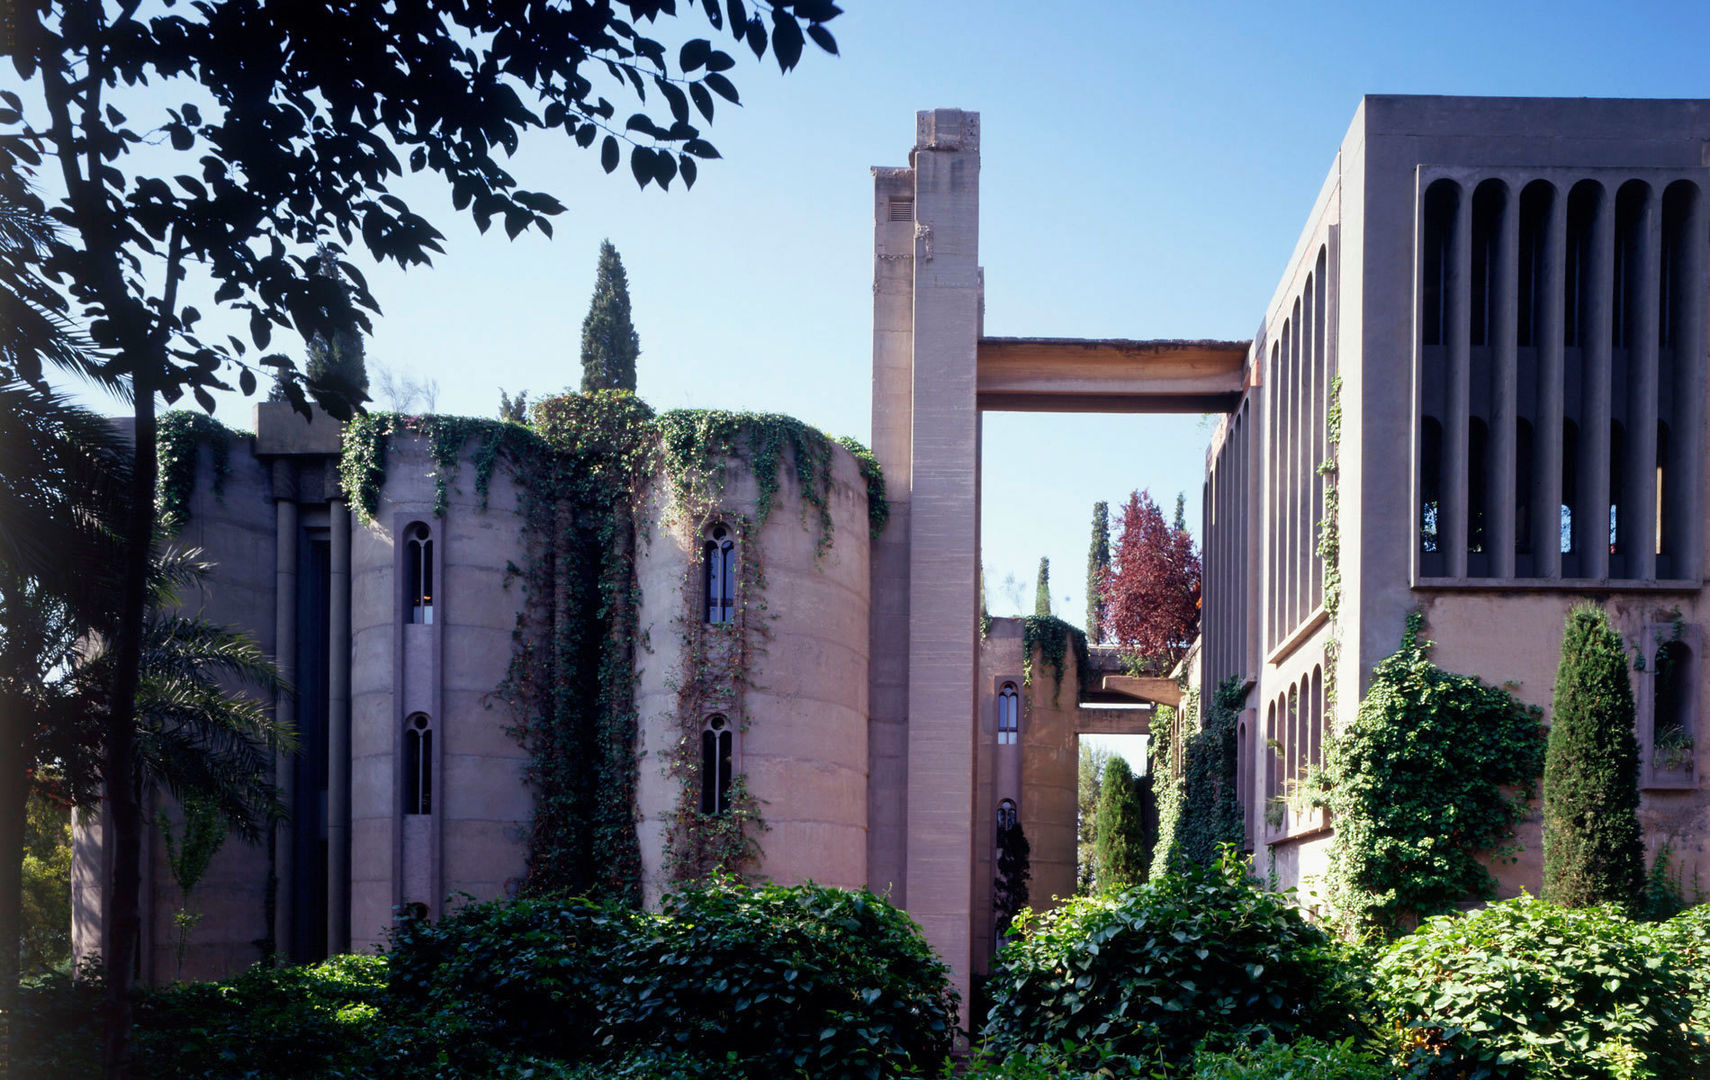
{"x": 338, "y": 367}
{"x": 1121, "y": 825}
{"x": 1098, "y": 563}
{"x": 1042, "y": 589}
{"x": 1593, "y": 851}
{"x": 609, "y": 341}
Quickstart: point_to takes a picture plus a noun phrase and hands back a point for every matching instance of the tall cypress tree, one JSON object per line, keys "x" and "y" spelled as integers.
{"x": 1042, "y": 589}
{"x": 1121, "y": 827}
{"x": 1098, "y": 563}
{"x": 1593, "y": 850}
{"x": 338, "y": 366}
{"x": 610, "y": 344}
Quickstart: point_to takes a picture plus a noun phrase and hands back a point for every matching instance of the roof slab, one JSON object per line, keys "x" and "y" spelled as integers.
{"x": 1110, "y": 375}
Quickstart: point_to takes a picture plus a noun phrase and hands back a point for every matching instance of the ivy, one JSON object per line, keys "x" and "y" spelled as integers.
{"x": 1052, "y": 637}
{"x": 362, "y": 468}
{"x": 178, "y": 436}
{"x": 1330, "y": 540}
{"x": 697, "y": 443}
{"x": 1199, "y": 809}
{"x": 1436, "y": 769}
{"x": 878, "y": 507}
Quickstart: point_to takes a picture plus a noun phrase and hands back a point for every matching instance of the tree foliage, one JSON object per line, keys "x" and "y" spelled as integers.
{"x": 1014, "y": 870}
{"x": 1593, "y": 849}
{"x": 1091, "y": 780}
{"x": 1121, "y": 827}
{"x": 1199, "y": 810}
{"x": 1098, "y": 564}
{"x": 610, "y": 344}
{"x": 1435, "y": 770}
{"x": 1042, "y": 589}
{"x": 1152, "y": 587}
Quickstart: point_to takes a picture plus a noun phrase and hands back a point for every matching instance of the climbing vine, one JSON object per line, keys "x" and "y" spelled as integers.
{"x": 878, "y": 508}
{"x": 178, "y": 436}
{"x": 362, "y": 468}
{"x": 1053, "y": 638}
{"x": 1199, "y": 803}
{"x": 1330, "y": 541}
{"x": 1435, "y": 770}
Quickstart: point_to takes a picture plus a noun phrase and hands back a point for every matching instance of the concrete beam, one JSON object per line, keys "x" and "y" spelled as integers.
{"x": 1113, "y": 721}
{"x": 1110, "y": 375}
{"x": 1158, "y": 690}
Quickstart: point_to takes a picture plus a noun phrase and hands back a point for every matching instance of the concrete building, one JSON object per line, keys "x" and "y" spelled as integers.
{"x": 1504, "y": 301}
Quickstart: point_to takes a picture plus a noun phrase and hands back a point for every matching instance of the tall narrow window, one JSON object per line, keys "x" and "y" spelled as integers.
{"x": 719, "y": 553}
{"x": 1009, "y": 715}
{"x": 1272, "y": 765}
{"x": 1617, "y": 473}
{"x": 1523, "y": 451}
{"x": 1671, "y": 708}
{"x": 1582, "y": 207}
{"x": 418, "y": 559}
{"x": 418, "y": 765}
{"x": 1630, "y": 208}
{"x": 718, "y": 743}
{"x": 1570, "y": 487}
{"x": 1478, "y": 487}
{"x": 1315, "y": 734}
{"x": 1430, "y": 482}
{"x": 1006, "y": 816}
{"x": 1487, "y": 207}
{"x": 1437, "y": 231}
{"x": 1535, "y": 201}
{"x": 1665, "y": 519}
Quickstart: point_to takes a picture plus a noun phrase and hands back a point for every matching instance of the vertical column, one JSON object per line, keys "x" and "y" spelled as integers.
{"x": 338, "y": 732}
{"x": 893, "y": 410}
{"x": 1639, "y": 521}
{"x": 1595, "y": 397}
{"x": 1505, "y": 399}
{"x": 1270, "y": 508}
{"x": 1690, "y": 352}
{"x": 944, "y": 534}
{"x": 1547, "y": 437}
{"x": 1452, "y": 512}
{"x": 284, "y": 704}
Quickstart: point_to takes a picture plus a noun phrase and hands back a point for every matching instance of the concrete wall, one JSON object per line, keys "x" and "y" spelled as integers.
{"x": 475, "y": 839}
{"x": 802, "y": 715}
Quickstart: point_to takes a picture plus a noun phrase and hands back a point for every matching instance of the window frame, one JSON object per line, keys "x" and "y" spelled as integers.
{"x": 1654, "y": 636}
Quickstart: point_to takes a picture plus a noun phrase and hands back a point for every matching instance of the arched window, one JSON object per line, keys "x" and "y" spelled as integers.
{"x": 1273, "y": 766}
{"x": 1291, "y": 741}
{"x": 717, "y": 744}
{"x": 418, "y": 765}
{"x": 1671, "y": 724}
{"x": 418, "y": 565}
{"x": 719, "y": 556}
{"x": 1315, "y": 731}
{"x": 1006, "y": 816}
{"x": 1009, "y": 715}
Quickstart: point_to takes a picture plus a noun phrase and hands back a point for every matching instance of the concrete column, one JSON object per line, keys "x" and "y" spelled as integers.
{"x": 1270, "y": 506}
{"x": 944, "y": 534}
{"x": 1505, "y": 396}
{"x": 1547, "y": 436}
{"x": 284, "y": 704}
{"x": 1638, "y": 517}
{"x": 1689, "y": 422}
{"x": 893, "y": 410}
{"x": 338, "y": 732}
{"x": 1457, "y": 408}
{"x": 1593, "y": 527}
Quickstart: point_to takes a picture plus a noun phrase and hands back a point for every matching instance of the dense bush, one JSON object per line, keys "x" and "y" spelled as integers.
{"x": 1307, "y": 1059}
{"x": 1526, "y": 989}
{"x": 1687, "y": 935}
{"x": 1593, "y": 850}
{"x": 829, "y": 982}
{"x": 1203, "y": 956}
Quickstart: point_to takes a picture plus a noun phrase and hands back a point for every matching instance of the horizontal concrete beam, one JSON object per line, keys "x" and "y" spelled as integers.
{"x": 1110, "y": 375}
{"x": 1113, "y": 721}
{"x": 1159, "y": 690}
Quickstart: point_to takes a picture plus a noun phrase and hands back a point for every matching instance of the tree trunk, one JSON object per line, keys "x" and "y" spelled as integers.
{"x": 14, "y": 791}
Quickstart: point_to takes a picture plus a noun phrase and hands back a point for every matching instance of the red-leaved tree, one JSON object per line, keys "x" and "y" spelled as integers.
{"x": 1152, "y": 587}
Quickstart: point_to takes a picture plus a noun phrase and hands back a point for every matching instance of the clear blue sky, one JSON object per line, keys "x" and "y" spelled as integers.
{"x": 1146, "y": 170}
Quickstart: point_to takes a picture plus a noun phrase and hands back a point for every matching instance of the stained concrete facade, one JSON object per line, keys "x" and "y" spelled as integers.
{"x": 1504, "y": 301}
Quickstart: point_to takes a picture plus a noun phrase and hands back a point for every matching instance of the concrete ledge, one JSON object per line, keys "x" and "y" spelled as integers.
{"x": 280, "y": 431}
{"x": 1157, "y": 689}
{"x": 1110, "y": 375}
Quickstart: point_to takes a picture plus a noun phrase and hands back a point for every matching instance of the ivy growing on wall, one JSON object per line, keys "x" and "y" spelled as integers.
{"x": 1435, "y": 770}
{"x": 178, "y": 437}
{"x": 1053, "y": 638}
{"x": 1199, "y": 806}
{"x": 1330, "y": 541}
{"x": 878, "y": 508}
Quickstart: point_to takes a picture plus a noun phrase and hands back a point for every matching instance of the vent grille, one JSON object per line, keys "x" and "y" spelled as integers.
{"x": 902, "y": 209}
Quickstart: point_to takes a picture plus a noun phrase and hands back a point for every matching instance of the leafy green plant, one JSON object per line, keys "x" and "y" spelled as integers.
{"x": 179, "y": 436}
{"x": 1687, "y": 936}
{"x": 187, "y": 856}
{"x": 1305, "y": 1059}
{"x": 1593, "y": 849}
{"x": 1199, "y": 809}
{"x": 1052, "y": 639}
{"x": 1525, "y": 988}
{"x": 1201, "y": 958}
{"x": 1436, "y": 770}
{"x": 1120, "y": 840}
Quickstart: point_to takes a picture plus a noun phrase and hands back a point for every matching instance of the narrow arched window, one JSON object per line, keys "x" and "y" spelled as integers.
{"x": 418, "y": 765}
{"x": 1671, "y": 726}
{"x": 418, "y": 565}
{"x": 718, "y": 743}
{"x": 1009, "y": 715}
{"x": 719, "y": 557}
{"x": 1006, "y": 816}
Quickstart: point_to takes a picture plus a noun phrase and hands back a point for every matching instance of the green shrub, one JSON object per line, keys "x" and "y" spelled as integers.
{"x": 307, "y": 1021}
{"x": 1307, "y": 1059}
{"x": 1687, "y": 935}
{"x": 1526, "y": 989}
{"x": 1203, "y": 956}
{"x": 1593, "y": 850}
{"x": 825, "y": 981}
{"x": 56, "y": 1034}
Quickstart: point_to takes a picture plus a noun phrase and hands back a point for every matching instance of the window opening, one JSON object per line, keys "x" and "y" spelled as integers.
{"x": 1442, "y": 199}
{"x": 1535, "y": 202}
{"x": 1570, "y": 485}
{"x": 717, "y": 747}
{"x": 1478, "y": 456}
{"x": 1671, "y": 723}
{"x": 1430, "y": 482}
{"x": 719, "y": 553}
{"x": 418, "y": 765}
{"x": 1523, "y": 451}
{"x": 1006, "y": 816}
{"x": 1617, "y": 471}
{"x": 1009, "y": 715}
{"x": 418, "y": 555}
